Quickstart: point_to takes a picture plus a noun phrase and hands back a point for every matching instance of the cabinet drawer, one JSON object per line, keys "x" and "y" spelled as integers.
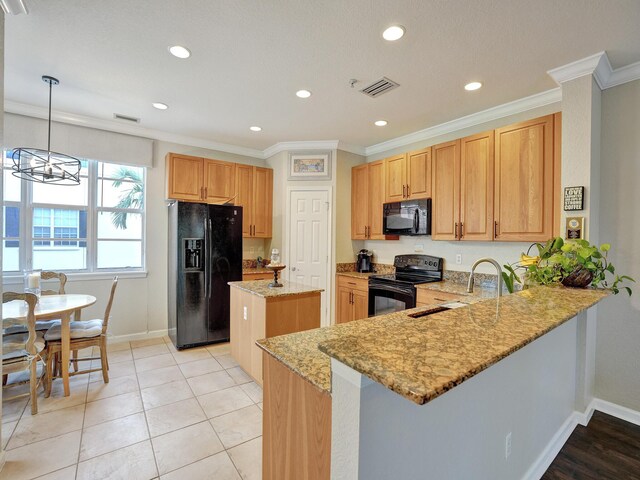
{"x": 434, "y": 297}
{"x": 361, "y": 284}
{"x": 249, "y": 277}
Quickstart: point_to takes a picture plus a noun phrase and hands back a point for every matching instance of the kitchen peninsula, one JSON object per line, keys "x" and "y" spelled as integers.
{"x": 258, "y": 311}
{"x": 338, "y": 380}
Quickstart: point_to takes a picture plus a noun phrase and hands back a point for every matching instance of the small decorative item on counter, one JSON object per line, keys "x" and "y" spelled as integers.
{"x": 574, "y": 263}
{"x": 259, "y": 262}
{"x": 275, "y": 256}
{"x": 32, "y": 282}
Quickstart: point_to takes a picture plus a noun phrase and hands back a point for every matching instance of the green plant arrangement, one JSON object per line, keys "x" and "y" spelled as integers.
{"x": 574, "y": 263}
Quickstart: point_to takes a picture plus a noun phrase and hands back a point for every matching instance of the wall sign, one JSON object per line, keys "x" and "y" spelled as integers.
{"x": 310, "y": 166}
{"x": 574, "y": 228}
{"x": 573, "y": 198}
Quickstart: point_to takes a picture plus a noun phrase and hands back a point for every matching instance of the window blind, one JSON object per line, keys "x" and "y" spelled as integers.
{"x": 80, "y": 142}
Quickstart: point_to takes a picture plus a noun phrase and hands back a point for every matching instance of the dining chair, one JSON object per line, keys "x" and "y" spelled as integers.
{"x": 43, "y": 325}
{"x": 22, "y": 351}
{"x": 84, "y": 334}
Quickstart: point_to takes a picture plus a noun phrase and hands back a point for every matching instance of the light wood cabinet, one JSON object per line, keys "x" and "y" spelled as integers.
{"x": 253, "y": 276}
{"x": 184, "y": 177}
{"x": 253, "y": 317}
{"x": 352, "y": 299}
{"x": 463, "y": 189}
{"x": 445, "y": 206}
{"x": 524, "y": 169}
{"x": 367, "y": 200}
{"x": 196, "y": 179}
{"x": 426, "y": 297}
{"x": 254, "y": 187}
{"x": 396, "y": 178}
{"x": 408, "y": 176}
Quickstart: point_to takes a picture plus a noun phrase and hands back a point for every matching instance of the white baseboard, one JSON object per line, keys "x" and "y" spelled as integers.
{"x": 542, "y": 463}
{"x": 537, "y": 469}
{"x": 618, "y": 411}
{"x": 137, "y": 336}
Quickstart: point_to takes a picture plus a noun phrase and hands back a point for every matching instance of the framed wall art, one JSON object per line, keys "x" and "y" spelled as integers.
{"x": 310, "y": 166}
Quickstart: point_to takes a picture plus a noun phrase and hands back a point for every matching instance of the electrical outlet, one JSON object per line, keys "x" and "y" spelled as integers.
{"x": 507, "y": 446}
{"x": 418, "y": 247}
{"x": 459, "y": 259}
{"x": 244, "y": 313}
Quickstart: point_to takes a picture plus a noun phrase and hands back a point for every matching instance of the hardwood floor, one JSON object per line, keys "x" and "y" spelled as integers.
{"x": 608, "y": 448}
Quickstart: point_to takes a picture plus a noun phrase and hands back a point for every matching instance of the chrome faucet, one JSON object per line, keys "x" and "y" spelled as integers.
{"x": 495, "y": 264}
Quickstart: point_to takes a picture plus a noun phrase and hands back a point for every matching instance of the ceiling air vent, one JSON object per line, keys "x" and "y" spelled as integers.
{"x": 126, "y": 118}
{"x": 379, "y": 87}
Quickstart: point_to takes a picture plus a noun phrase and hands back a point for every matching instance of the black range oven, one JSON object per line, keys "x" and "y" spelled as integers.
{"x": 396, "y": 292}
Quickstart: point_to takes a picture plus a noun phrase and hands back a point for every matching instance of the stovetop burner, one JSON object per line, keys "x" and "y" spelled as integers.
{"x": 413, "y": 270}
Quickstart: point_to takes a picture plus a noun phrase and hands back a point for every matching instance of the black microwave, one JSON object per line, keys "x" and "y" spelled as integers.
{"x": 412, "y": 217}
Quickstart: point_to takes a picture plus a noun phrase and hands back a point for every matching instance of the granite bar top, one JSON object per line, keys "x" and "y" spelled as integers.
{"x": 421, "y": 358}
{"x": 261, "y": 288}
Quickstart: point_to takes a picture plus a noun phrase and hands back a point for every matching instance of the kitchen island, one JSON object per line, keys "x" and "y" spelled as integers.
{"x": 259, "y": 311}
{"x": 384, "y": 368}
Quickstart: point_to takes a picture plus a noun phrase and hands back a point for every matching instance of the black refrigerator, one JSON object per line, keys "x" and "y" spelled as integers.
{"x": 205, "y": 252}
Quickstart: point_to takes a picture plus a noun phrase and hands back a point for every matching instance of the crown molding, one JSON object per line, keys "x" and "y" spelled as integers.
{"x": 599, "y": 66}
{"x": 135, "y": 130}
{"x": 300, "y": 145}
{"x": 494, "y": 113}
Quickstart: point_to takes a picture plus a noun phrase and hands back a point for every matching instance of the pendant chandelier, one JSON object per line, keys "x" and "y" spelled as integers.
{"x": 45, "y": 166}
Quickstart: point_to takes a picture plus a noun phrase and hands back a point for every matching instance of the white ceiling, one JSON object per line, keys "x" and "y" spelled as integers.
{"x": 249, "y": 58}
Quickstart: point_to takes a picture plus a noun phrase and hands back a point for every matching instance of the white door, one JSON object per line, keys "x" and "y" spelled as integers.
{"x": 309, "y": 240}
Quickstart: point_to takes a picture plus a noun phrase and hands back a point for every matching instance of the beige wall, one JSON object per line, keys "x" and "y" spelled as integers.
{"x": 618, "y": 335}
{"x": 503, "y": 252}
{"x": 346, "y": 249}
{"x": 141, "y": 303}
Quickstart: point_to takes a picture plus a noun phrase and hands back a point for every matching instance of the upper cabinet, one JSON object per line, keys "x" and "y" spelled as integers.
{"x": 254, "y": 187}
{"x": 196, "y": 179}
{"x": 184, "y": 177}
{"x": 476, "y": 187}
{"x": 408, "y": 176}
{"x": 445, "y": 208}
{"x": 367, "y": 200}
{"x": 219, "y": 181}
{"x": 524, "y": 179}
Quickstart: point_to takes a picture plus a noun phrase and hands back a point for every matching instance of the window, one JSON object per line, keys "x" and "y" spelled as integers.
{"x": 95, "y": 226}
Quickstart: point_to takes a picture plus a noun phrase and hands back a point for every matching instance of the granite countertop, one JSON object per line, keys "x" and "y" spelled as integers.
{"x": 357, "y": 274}
{"x": 421, "y": 358}
{"x": 249, "y": 271}
{"x": 261, "y": 288}
{"x": 448, "y": 286}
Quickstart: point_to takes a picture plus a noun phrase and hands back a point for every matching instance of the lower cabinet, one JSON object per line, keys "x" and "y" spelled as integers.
{"x": 250, "y": 277}
{"x": 352, "y": 299}
{"x": 426, "y": 297}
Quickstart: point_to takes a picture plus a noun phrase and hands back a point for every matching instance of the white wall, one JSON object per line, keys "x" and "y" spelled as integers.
{"x": 461, "y": 434}
{"x": 618, "y": 335}
{"x": 140, "y": 304}
{"x": 503, "y": 252}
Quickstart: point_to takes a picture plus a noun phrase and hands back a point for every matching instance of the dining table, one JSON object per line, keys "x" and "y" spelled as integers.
{"x": 50, "y": 307}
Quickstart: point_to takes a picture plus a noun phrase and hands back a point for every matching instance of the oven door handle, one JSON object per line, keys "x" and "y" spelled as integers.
{"x": 391, "y": 288}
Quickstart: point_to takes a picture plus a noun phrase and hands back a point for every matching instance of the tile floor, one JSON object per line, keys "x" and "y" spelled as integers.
{"x": 164, "y": 414}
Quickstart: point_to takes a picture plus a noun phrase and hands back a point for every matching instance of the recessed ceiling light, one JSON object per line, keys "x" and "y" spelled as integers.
{"x": 380, "y": 123}
{"x": 303, "y": 93}
{"x": 393, "y": 33}
{"x": 160, "y": 106}
{"x": 472, "y": 86}
{"x": 179, "y": 51}
{"x": 255, "y": 129}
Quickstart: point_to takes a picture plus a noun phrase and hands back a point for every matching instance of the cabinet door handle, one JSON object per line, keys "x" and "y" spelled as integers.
{"x": 408, "y": 190}
{"x": 461, "y": 230}
{"x": 439, "y": 299}
{"x": 205, "y": 192}
{"x": 495, "y": 229}
{"x": 455, "y": 230}
{"x": 202, "y": 192}
{"x": 403, "y": 191}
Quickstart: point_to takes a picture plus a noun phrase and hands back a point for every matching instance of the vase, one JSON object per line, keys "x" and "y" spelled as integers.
{"x": 579, "y": 278}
